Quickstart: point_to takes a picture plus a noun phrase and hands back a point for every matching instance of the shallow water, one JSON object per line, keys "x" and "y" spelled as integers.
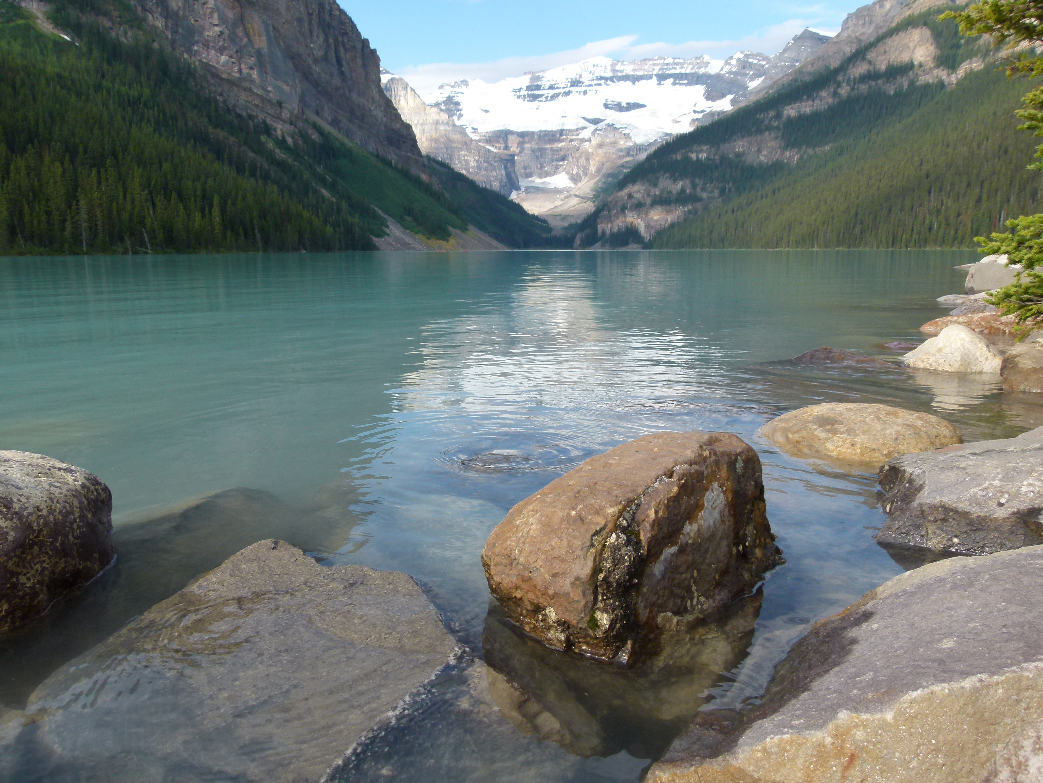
{"x": 397, "y": 405}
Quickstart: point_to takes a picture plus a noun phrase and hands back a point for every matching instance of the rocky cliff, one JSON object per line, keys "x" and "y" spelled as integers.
{"x": 281, "y": 59}
{"x": 441, "y": 138}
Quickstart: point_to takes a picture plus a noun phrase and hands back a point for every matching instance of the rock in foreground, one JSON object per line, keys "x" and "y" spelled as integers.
{"x": 657, "y": 532}
{"x": 955, "y": 349}
{"x": 857, "y": 435}
{"x": 974, "y": 499}
{"x": 55, "y": 521}
{"x": 268, "y": 668}
{"x": 934, "y": 677}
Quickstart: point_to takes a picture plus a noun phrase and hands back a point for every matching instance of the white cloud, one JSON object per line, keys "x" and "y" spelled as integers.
{"x": 425, "y": 79}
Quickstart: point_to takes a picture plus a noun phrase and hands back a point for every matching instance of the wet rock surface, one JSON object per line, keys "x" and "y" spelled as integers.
{"x": 1022, "y": 368}
{"x": 935, "y": 676}
{"x": 268, "y": 668}
{"x": 857, "y": 435}
{"x": 955, "y": 349}
{"x": 55, "y": 521}
{"x": 653, "y": 534}
{"x": 827, "y": 356}
{"x": 974, "y": 499}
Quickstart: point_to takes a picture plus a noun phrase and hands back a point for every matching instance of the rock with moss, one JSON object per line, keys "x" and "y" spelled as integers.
{"x": 660, "y": 531}
{"x": 933, "y": 677}
{"x": 55, "y": 521}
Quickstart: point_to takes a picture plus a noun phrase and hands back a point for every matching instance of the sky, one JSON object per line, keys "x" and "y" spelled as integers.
{"x": 433, "y": 41}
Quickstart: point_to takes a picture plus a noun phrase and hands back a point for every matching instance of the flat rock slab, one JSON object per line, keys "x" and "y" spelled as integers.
{"x": 659, "y": 531}
{"x": 974, "y": 499}
{"x": 955, "y": 349}
{"x": 55, "y": 521}
{"x": 934, "y": 677}
{"x": 992, "y": 325}
{"x": 857, "y": 435}
{"x": 268, "y": 668}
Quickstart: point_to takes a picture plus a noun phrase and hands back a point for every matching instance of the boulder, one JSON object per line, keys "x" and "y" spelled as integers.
{"x": 967, "y": 304}
{"x": 1022, "y": 368}
{"x": 993, "y": 325}
{"x": 267, "y": 668}
{"x": 857, "y": 435}
{"x": 55, "y": 521}
{"x": 934, "y": 677}
{"x": 989, "y": 274}
{"x": 655, "y": 533}
{"x": 973, "y": 499}
{"x": 955, "y": 349}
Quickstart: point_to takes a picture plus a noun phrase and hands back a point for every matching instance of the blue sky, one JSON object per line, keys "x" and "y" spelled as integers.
{"x": 431, "y": 40}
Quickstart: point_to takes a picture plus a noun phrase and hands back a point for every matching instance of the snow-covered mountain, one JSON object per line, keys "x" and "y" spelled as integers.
{"x": 564, "y": 131}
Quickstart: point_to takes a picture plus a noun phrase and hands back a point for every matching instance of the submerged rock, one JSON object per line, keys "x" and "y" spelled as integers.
{"x": 955, "y": 349}
{"x": 268, "y": 668}
{"x": 1022, "y": 368}
{"x": 933, "y": 677}
{"x": 827, "y": 356}
{"x": 55, "y": 521}
{"x": 989, "y": 274}
{"x": 657, "y": 532}
{"x": 857, "y": 435}
{"x": 973, "y": 499}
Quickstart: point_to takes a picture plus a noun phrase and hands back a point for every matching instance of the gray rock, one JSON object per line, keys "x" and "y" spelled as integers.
{"x": 268, "y": 668}
{"x": 973, "y": 499}
{"x": 1022, "y": 368}
{"x": 55, "y": 521}
{"x": 955, "y": 349}
{"x": 934, "y": 677}
{"x": 989, "y": 274}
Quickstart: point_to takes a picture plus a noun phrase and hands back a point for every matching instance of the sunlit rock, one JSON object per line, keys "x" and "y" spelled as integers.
{"x": 934, "y": 677}
{"x": 659, "y": 531}
{"x": 956, "y": 349}
{"x": 857, "y": 435}
{"x": 55, "y": 521}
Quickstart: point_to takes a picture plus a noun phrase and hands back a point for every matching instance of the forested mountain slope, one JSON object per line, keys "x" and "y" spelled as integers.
{"x": 111, "y": 142}
{"x": 908, "y": 142}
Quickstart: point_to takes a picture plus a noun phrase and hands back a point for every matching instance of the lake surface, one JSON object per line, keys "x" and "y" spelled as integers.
{"x": 389, "y": 408}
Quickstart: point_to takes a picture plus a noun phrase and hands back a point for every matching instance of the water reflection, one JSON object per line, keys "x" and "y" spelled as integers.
{"x": 592, "y": 708}
{"x": 955, "y": 391}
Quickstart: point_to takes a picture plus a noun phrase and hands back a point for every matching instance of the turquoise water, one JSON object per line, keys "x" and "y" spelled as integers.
{"x": 396, "y": 405}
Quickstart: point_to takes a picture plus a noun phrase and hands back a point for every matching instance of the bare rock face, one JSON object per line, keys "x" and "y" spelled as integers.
{"x": 987, "y": 324}
{"x": 267, "y": 668}
{"x": 955, "y": 349}
{"x": 933, "y": 677}
{"x": 441, "y": 138}
{"x": 857, "y": 435}
{"x": 285, "y": 59}
{"x": 989, "y": 274}
{"x": 655, "y": 533}
{"x": 974, "y": 499}
{"x": 55, "y": 521}
{"x": 1022, "y": 368}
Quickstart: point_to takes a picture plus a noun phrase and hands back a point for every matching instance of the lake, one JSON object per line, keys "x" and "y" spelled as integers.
{"x": 388, "y": 409}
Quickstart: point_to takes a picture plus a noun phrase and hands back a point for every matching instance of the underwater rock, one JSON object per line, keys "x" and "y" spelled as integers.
{"x": 662, "y": 530}
{"x": 857, "y": 435}
{"x": 974, "y": 499}
{"x": 267, "y": 668}
{"x": 935, "y": 676}
{"x": 827, "y": 356}
{"x": 55, "y": 521}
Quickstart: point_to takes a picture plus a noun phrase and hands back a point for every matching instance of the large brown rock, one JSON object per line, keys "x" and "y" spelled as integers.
{"x": 55, "y": 521}
{"x": 654, "y": 533}
{"x": 268, "y": 668}
{"x": 991, "y": 325}
{"x": 933, "y": 677}
{"x": 857, "y": 435}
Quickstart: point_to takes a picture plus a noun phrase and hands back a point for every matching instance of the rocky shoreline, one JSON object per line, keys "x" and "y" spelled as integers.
{"x": 635, "y": 573}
